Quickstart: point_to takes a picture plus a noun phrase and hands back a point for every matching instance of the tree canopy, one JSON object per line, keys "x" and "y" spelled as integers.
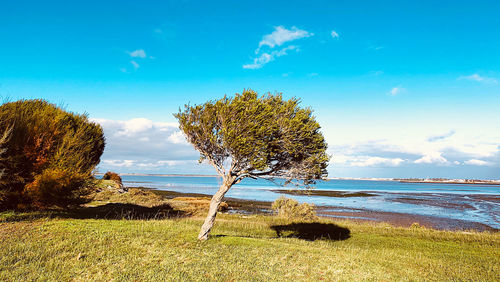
{"x": 252, "y": 136}
{"x": 255, "y": 136}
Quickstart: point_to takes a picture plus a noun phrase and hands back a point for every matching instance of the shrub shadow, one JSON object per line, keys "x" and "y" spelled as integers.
{"x": 126, "y": 211}
{"x": 111, "y": 211}
{"x": 312, "y": 231}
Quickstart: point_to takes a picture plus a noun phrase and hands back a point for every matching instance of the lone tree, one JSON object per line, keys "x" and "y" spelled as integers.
{"x": 258, "y": 137}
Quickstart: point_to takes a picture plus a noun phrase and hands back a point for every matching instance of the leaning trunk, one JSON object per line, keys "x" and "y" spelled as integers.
{"x": 212, "y": 211}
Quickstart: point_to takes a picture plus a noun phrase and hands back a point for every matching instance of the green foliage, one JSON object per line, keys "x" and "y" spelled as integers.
{"x": 113, "y": 176}
{"x": 291, "y": 209}
{"x": 44, "y": 139}
{"x": 260, "y": 136}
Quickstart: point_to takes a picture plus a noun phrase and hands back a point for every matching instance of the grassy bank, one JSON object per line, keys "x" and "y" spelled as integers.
{"x": 49, "y": 246}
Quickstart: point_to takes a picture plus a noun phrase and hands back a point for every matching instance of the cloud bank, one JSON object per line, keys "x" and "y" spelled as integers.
{"x": 143, "y": 145}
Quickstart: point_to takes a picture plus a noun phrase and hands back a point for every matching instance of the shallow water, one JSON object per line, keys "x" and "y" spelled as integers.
{"x": 476, "y": 203}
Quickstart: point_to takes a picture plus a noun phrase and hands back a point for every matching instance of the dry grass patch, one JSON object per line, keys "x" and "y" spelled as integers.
{"x": 195, "y": 205}
{"x": 133, "y": 196}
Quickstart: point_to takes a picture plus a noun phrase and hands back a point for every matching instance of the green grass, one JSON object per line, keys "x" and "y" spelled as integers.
{"x": 42, "y": 247}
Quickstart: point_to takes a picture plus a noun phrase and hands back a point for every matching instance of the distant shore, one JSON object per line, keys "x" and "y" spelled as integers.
{"x": 402, "y": 180}
{"x": 452, "y": 181}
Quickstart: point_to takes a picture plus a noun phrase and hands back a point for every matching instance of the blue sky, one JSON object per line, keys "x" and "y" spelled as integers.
{"x": 401, "y": 88}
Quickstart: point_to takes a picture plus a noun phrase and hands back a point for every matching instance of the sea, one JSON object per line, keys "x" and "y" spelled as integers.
{"x": 466, "y": 202}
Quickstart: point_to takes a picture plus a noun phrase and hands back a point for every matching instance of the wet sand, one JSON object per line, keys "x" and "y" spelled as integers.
{"x": 402, "y": 219}
{"x": 393, "y": 218}
{"x": 326, "y": 193}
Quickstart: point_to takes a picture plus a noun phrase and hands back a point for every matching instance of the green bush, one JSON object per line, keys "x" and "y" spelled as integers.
{"x": 113, "y": 176}
{"x": 44, "y": 139}
{"x": 291, "y": 209}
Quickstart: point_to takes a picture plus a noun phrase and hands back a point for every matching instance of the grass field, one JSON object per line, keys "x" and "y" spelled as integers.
{"x": 42, "y": 246}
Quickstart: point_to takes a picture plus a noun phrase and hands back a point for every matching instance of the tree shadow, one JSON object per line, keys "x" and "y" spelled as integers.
{"x": 312, "y": 231}
{"x": 111, "y": 211}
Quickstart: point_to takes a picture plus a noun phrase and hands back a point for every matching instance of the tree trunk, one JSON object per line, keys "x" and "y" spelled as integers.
{"x": 212, "y": 211}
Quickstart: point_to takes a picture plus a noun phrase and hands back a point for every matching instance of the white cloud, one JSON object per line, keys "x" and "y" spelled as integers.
{"x": 334, "y": 34}
{"x": 265, "y": 58}
{"x": 137, "y": 53}
{"x": 177, "y": 138}
{"x": 281, "y": 35}
{"x": 478, "y": 150}
{"x": 135, "y": 64}
{"x": 141, "y": 165}
{"x": 367, "y": 161}
{"x": 432, "y": 158}
{"x": 438, "y": 155}
{"x": 140, "y": 144}
{"x": 396, "y": 91}
{"x": 118, "y": 163}
{"x": 133, "y": 126}
{"x": 477, "y": 162}
{"x": 278, "y": 37}
{"x": 478, "y": 78}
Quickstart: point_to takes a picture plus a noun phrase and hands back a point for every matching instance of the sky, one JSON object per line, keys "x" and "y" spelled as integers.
{"x": 400, "y": 88}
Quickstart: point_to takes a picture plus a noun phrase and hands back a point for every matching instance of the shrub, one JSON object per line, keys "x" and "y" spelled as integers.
{"x": 416, "y": 225}
{"x": 4, "y": 138}
{"x": 3, "y": 149}
{"x": 113, "y": 176}
{"x": 291, "y": 209}
{"x": 45, "y": 137}
{"x": 56, "y": 187}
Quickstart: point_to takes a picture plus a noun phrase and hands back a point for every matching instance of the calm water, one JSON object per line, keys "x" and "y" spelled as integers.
{"x": 456, "y": 201}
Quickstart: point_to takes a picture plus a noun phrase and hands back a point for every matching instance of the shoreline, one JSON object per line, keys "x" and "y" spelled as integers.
{"x": 342, "y": 213}
{"x": 451, "y": 182}
{"x": 400, "y": 180}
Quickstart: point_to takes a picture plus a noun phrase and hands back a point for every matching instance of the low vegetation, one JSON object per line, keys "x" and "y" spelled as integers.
{"x": 110, "y": 192}
{"x": 110, "y": 175}
{"x": 291, "y": 209}
{"x": 56, "y": 247}
{"x": 139, "y": 235}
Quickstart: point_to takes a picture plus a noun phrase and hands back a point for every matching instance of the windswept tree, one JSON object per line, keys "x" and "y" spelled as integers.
{"x": 255, "y": 136}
